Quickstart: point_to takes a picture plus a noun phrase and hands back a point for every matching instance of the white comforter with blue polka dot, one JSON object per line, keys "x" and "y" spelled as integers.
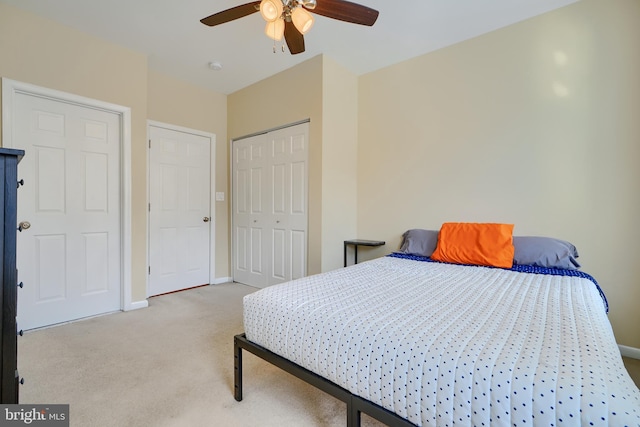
{"x": 442, "y": 344}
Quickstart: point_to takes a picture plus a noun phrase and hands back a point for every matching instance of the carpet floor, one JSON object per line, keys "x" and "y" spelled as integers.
{"x": 171, "y": 365}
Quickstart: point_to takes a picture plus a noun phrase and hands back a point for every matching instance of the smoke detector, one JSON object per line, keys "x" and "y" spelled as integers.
{"x": 215, "y": 66}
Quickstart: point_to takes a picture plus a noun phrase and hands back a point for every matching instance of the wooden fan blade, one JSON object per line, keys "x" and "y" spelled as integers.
{"x": 346, "y": 11}
{"x": 231, "y": 14}
{"x": 295, "y": 40}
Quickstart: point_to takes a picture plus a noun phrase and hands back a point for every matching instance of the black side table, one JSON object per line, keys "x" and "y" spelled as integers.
{"x": 356, "y": 243}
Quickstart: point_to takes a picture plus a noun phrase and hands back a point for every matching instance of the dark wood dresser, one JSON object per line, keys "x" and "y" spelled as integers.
{"x": 9, "y": 379}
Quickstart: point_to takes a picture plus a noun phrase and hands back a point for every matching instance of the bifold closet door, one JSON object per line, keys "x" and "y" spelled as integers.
{"x": 270, "y": 217}
{"x": 249, "y": 213}
{"x": 288, "y": 196}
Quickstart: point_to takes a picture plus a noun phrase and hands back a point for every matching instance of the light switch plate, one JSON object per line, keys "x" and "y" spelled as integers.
{"x": 219, "y": 196}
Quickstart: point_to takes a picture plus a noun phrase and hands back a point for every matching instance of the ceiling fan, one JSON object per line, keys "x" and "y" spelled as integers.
{"x": 291, "y": 18}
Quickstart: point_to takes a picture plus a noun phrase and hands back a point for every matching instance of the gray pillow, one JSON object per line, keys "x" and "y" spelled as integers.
{"x": 419, "y": 242}
{"x": 545, "y": 252}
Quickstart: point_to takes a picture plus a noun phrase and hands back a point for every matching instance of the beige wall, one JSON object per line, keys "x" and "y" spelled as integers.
{"x": 182, "y": 104}
{"x": 535, "y": 124}
{"x": 41, "y": 52}
{"x": 339, "y": 161}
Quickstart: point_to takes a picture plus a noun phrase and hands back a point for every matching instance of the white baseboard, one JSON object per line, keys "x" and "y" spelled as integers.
{"x": 135, "y": 305}
{"x": 630, "y": 352}
{"x": 221, "y": 280}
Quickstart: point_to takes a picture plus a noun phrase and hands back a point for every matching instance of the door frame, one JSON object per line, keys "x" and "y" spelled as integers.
{"x": 212, "y": 192}
{"x": 11, "y": 88}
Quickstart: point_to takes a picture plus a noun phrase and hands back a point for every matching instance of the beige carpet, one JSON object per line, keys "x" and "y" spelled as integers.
{"x": 168, "y": 365}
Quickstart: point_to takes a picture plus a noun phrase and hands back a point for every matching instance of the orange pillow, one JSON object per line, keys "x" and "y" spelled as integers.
{"x": 474, "y": 243}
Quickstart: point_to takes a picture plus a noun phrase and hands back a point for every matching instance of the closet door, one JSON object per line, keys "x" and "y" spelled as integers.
{"x": 269, "y": 203}
{"x": 287, "y": 149}
{"x": 250, "y": 246}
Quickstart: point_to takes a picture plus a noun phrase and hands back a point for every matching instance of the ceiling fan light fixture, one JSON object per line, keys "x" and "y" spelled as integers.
{"x": 302, "y": 19}
{"x": 275, "y": 29}
{"x": 271, "y": 10}
{"x": 291, "y": 18}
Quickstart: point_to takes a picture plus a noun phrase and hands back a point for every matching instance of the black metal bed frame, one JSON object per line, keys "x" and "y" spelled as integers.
{"x": 355, "y": 404}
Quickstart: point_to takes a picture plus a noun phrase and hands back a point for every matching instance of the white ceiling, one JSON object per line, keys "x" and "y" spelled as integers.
{"x": 176, "y": 43}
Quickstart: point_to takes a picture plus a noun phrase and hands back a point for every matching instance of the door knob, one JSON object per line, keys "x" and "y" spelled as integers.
{"x": 24, "y": 225}
{"x": 206, "y": 219}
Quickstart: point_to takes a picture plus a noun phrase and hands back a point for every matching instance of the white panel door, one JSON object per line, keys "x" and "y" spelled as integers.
{"x": 179, "y": 213}
{"x": 250, "y": 239}
{"x": 270, "y": 206}
{"x": 69, "y": 259}
{"x": 288, "y": 195}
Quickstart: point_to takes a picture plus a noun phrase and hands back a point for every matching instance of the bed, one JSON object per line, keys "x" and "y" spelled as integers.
{"x": 416, "y": 342}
